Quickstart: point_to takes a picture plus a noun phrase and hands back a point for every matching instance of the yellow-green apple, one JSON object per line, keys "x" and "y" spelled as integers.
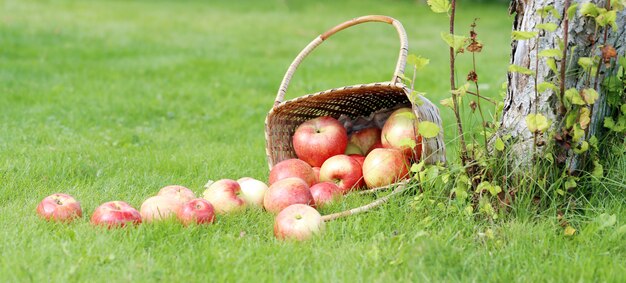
{"x": 400, "y": 132}
{"x": 159, "y": 208}
{"x": 298, "y": 222}
{"x": 115, "y": 214}
{"x": 198, "y": 211}
{"x": 353, "y": 149}
{"x": 286, "y": 192}
{"x": 59, "y": 207}
{"x": 180, "y": 193}
{"x": 225, "y": 196}
{"x": 365, "y": 139}
{"x": 342, "y": 170}
{"x": 252, "y": 191}
{"x": 317, "y": 139}
{"x": 324, "y": 193}
{"x": 384, "y": 166}
{"x": 292, "y": 168}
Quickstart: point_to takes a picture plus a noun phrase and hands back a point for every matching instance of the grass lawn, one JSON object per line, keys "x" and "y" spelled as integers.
{"x": 112, "y": 100}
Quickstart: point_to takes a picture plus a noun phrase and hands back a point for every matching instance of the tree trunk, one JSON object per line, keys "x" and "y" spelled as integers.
{"x": 521, "y": 100}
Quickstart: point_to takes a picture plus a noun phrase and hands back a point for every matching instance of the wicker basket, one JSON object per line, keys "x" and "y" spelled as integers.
{"x": 351, "y": 101}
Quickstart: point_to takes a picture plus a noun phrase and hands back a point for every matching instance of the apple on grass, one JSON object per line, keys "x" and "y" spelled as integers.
{"x": 342, "y": 170}
{"x": 225, "y": 196}
{"x": 400, "y": 132}
{"x": 285, "y": 193}
{"x": 159, "y": 208}
{"x": 384, "y": 166}
{"x": 317, "y": 139}
{"x": 324, "y": 193}
{"x": 292, "y": 168}
{"x": 365, "y": 139}
{"x": 252, "y": 191}
{"x": 115, "y": 214}
{"x": 180, "y": 193}
{"x": 198, "y": 211}
{"x": 298, "y": 222}
{"x": 59, "y": 207}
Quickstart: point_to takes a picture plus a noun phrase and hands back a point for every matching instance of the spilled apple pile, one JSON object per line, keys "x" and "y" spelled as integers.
{"x": 330, "y": 163}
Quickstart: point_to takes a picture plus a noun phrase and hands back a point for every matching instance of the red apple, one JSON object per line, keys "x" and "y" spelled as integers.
{"x": 384, "y": 166}
{"x": 286, "y": 192}
{"x": 59, "y": 207}
{"x": 342, "y": 170}
{"x": 252, "y": 191}
{"x": 316, "y": 170}
{"x": 365, "y": 139}
{"x": 298, "y": 222}
{"x": 317, "y": 139}
{"x": 400, "y": 132}
{"x": 359, "y": 158}
{"x": 225, "y": 196}
{"x": 375, "y": 146}
{"x": 181, "y": 193}
{"x": 115, "y": 214}
{"x": 198, "y": 211}
{"x": 292, "y": 168}
{"x": 159, "y": 208}
{"x": 324, "y": 193}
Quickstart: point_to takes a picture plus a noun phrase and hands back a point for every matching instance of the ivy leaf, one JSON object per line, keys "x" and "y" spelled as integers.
{"x": 519, "y": 69}
{"x": 590, "y": 95}
{"x": 483, "y": 186}
{"x": 447, "y": 102}
{"x": 523, "y": 35}
{"x": 609, "y": 123}
{"x": 607, "y": 18}
{"x": 494, "y": 190}
{"x": 547, "y": 26}
{"x": 589, "y": 9}
{"x": 499, "y": 144}
{"x": 461, "y": 91}
{"x": 407, "y": 143}
{"x": 439, "y": 6}
{"x": 570, "y": 183}
{"x": 584, "y": 118}
{"x": 584, "y": 146}
{"x": 428, "y": 129}
{"x": 571, "y": 11}
{"x": 569, "y": 231}
{"x": 418, "y": 61}
{"x": 585, "y": 62}
{"x": 543, "y": 86}
{"x": 551, "y": 53}
{"x": 549, "y": 9}
{"x": 593, "y": 141}
{"x": 577, "y": 133}
{"x": 552, "y": 65}
{"x": 573, "y": 97}
{"x": 537, "y": 123}
{"x": 455, "y": 41}
{"x": 598, "y": 170}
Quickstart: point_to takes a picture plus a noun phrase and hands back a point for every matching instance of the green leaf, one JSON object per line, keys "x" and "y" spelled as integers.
{"x": 623, "y": 109}
{"x": 483, "y": 186}
{"x": 447, "y": 102}
{"x": 549, "y": 157}
{"x": 609, "y": 123}
{"x": 607, "y": 18}
{"x": 499, "y": 144}
{"x": 598, "y": 170}
{"x": 593, "y": 141}
{"x": 455, "y": 41}
{"x": 622, "y": 61}
{"x": 571, "y": 119}
{"x": 543, "y": 86}
{"x": 537, "y": 123}
{"x": 439, "y": 6}
{"x": 589, "y": 9}
{"x": 407, "y": 143}
{"x": 573, "y": 97}
{"x": 523, "y": 35}
{"x": 578, "y": 133}
{"x": 418, "y": 167}
{"x": 519, "y": 69}
{"x": 584, "y": 146}
{"x": 618, "y": 5}
{"x": 549, "y": 9}
{"x": 571, "y": 11}
{"x": 551, "y": 53}
{"x": 584, "y": 117}
{"x": 570, "y": 183}
{"x": 462, "y": 90}
{"x": 552, "y": 65}
{"x": 547, "y": 26}
{"x": 590, "y": 95}
{"x": 494, "y": 190}
{"x": 585, "y": 62}
{"x": 569, "y": 231}
{"x": 428, "y": 129}
{"x": 418, "y": 61}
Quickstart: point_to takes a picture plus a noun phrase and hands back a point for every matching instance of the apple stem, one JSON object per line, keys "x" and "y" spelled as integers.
{"x": 401, "y": 187}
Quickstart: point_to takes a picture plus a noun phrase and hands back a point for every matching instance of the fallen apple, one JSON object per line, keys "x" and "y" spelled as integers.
{"x": 198, "y": 211}
{"x": 252, "y": 191}
{"x": 317, "y": 139}
{"x": 342, "y": 170}
{"x": 324, "y": 193}
{"x": 292, "y": 168}
{"x": 298, "y": 222}
{"x": 225, "y": 196}
{"x": 59, "y": 207}
{"x": 384, "y": 166}
{"x": 180, "y": 193}
{"x": 159, "y": 208}
{"x": 115, "y": 214}
{"x": 286, "y": 192}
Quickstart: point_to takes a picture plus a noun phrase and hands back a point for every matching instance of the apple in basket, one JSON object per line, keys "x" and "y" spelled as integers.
{"x": 317, "y": 139}
{"x": 342, "y": 170}
{"x": 384, "y": 166}
{"x": 298, "y": 222}
{"x": 400, "y": 132}
{"x": 286, "y": 192}
{"x": 225, "y": 196}
{"x": 365, "y": 139}
{"x": 180, "y": 193}
{"x": 115, "y": 214}
{"x": 293, "y": 168}
{"x": 198, "y": 211}
{"x": 59, "y": 207}
{"x": 159, "y": 208}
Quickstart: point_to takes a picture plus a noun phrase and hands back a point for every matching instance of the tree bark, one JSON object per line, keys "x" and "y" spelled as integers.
{"x": 521, "y": 100}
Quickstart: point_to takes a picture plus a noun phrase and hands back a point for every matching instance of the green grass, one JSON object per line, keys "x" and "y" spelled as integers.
{"x": 108, "y": 100}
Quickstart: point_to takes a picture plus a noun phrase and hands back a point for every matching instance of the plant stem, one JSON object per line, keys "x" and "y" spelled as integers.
{"x": 564, "y": 59}
{"x": 482, "y": 97}
{"x": 453, "y": 87}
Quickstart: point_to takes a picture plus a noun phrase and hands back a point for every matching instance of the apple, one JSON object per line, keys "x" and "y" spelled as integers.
{"x": 384, "y": 166}
{"x": 375, "y": 146}
{"x": 181, "y": 193}
{"x": 353, "y": 149}
{"x": 252, "y": 191}
{"x": 198, "y": 211}
{"x": 292, "y": 168}
{"x": 316, "y": 170}
{"x": 59, "y": 207}
{"x": 225, "y": 196}
{"x": 342, "y": 170}
{"x": 365, "y": 139}
{"x": 359, "y": 158}
{"x": 324, "y": 193}
{"x": 286, "y": 192}
{"x": 115, "y": 214}
{"x": 159, "y": 208}
{"x": 298, "y": 222}
{"x": 400, "y": 132}
{"x": 317, "y": 139}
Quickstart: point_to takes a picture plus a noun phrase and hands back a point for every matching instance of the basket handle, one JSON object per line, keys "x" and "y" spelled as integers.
{"x": 404, "y": 47}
